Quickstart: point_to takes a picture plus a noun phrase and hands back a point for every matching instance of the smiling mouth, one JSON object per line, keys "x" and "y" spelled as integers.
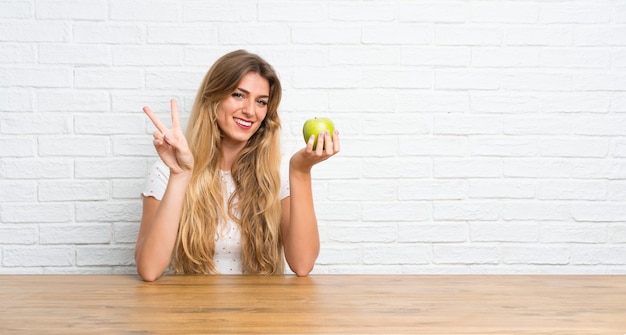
{"x": 243, "y": 123}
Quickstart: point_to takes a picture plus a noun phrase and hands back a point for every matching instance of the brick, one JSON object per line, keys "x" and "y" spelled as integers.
{"x": 125, "y": 232}
{"x": 327, "y": 78}
{"x": 73, "y": 101}
{"x": 467, "y": 168}
{"x": 488, "y": 11}
{"x": 396, "y": 211}
{"x": 72, "y": 9}
{"x": 439, "y": 232}
{"x": 535, "y": 255}
{"x": 172, "y": 34}
{"x": 109, "y": 255}
{"x": 73, "y": 146}
{"x": 616, "y": 232}
{"x": 532, "y": 81}
{"x": 255, "y": 33}
{"x": 466, "y": 210}
{"x": 286, "y": 11}
{"x": 72, "y": 190}
{"x": 432, "y": 190}
{"x": 17, "y": 147}
{"x": 147, "y": 56}
{"x": 535, "y": 210}
{"x": 598, "y": 212}
{"x": 505, "y": 57}
{"x": 503, "y": 146}
{"x": 108, "y": 78}
{"x": 27, "y": 168}
{"x": 36, "y": 213}
{"x": 575, "y": 58}
{"x": 616, "y": 191}
{"x": 75, "y": 234}
{"x": 600, "y": 81}
{"x": 173, "y": 80}
{"x": 574, "y": 12}
{"x": 209, "y": 11}
{"x": 501, "y": 189}
{"x": 122, "y": 211}
{"x": 362, "y": 191}
{"x": 127, "y": 188}
{"x": 349, "y": 55}
{"x": 528, "y": 125}
{"x": 407, "y": 78}
{"x": 110, "y": 168}
{"x": 35, "y": 123}
{"x": 363, "y": 101}
{"x": 445, "y": 102}
{"x": 109, "y": 33}
{"x": 465, "y": 34}
{"x": 445, "y": 12}
{"x": 16, "y": 100}
{"x": 401, "y": 167}
{"x": 558, "y": 232}
{"x": 17, "y": 190}
{"x": 466, "y": 124}
{"x": 381, "y": 233}
{"x": 450, "y": 56}
{"x": 397, "y": 254}
{"x": 574, "y": 147}
{"x": 504, "y": 231}
{"x": 596, "y": 102}
{"x": 487, "y": 102}
{"x": 465, "y": 254}
{"x": 144, "y": 10}
{"x": 337, "y": 254}
{"x": 468, "y": 80}
{"x": 109, "y": 124}
{"x": 442, "y": 146}
{"x": 133, "y": 146}
{"x": 34, "y": 31}
{"x": 22, "y": 235}
{"x": 401, "y": 124}
{"x": 397, "y": 34}
{"x": 17, "y": 53}
{"x": 74, "y": 54}
{"x": 41, "y": 77}
{"x": 17, "y": 9}
{"x": 38, "y": 256}
{"x": 554, "y": 35}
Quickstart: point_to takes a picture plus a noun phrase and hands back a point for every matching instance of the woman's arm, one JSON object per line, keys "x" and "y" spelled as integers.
{"x": 299, "y": 224}
{"x": 160, "y": 219}
{"x": 159, "y": 228}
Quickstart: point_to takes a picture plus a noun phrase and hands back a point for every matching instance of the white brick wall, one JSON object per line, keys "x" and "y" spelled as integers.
{"x": 478, "y": 136}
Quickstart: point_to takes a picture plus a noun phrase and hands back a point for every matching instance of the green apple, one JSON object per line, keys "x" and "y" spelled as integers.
{"x": 315, "y": 127}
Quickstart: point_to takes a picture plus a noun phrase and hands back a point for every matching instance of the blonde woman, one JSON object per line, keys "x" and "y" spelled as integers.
{"x": 216, "y": 201}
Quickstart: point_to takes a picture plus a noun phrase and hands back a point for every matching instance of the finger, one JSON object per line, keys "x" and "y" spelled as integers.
{"x": 175, "y": 116}
{"x": 310, "y": 143}
{"x": 329, "y": 147}
{"x": 155, "y": 119}
{"x": 320, "y": 143}
{"x": 336, "y": 142}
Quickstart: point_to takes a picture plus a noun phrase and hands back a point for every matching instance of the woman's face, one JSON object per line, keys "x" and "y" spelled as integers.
{"x": 240, "y": 114}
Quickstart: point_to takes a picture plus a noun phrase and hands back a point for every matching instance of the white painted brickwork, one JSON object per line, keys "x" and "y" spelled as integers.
{"x": 477, "y": 136}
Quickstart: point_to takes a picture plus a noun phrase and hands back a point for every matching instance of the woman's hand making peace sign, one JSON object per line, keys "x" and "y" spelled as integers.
{"x": 171, "y": 144}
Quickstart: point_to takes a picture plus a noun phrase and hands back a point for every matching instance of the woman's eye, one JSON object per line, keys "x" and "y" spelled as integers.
{"x": 237, "y": 95}
{"x": 262, "y": 102}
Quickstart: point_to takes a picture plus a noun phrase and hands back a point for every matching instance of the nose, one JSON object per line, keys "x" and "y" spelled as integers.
{"x": 249, "y": 107}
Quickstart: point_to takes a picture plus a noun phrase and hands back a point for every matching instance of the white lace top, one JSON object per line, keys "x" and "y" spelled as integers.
{"x": 228, "y": 237}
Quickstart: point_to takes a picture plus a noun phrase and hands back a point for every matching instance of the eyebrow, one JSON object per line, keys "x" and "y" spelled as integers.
{"x": 247, "y": 92}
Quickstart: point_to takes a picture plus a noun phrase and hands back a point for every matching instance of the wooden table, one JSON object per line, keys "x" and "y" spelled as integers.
{"x": 337, "y": 304}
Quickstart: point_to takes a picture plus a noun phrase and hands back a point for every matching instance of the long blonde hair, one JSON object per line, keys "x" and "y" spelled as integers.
{"x": 255, "y": 204}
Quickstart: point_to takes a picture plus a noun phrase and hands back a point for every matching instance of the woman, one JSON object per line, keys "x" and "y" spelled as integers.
{"x": 215, "y": 202}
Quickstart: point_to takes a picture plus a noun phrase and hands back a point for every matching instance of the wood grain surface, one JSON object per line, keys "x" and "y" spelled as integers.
{"x": 318, "y": 304}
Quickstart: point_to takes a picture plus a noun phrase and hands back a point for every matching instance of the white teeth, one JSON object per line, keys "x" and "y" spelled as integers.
{"x": 243, "y": 123}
